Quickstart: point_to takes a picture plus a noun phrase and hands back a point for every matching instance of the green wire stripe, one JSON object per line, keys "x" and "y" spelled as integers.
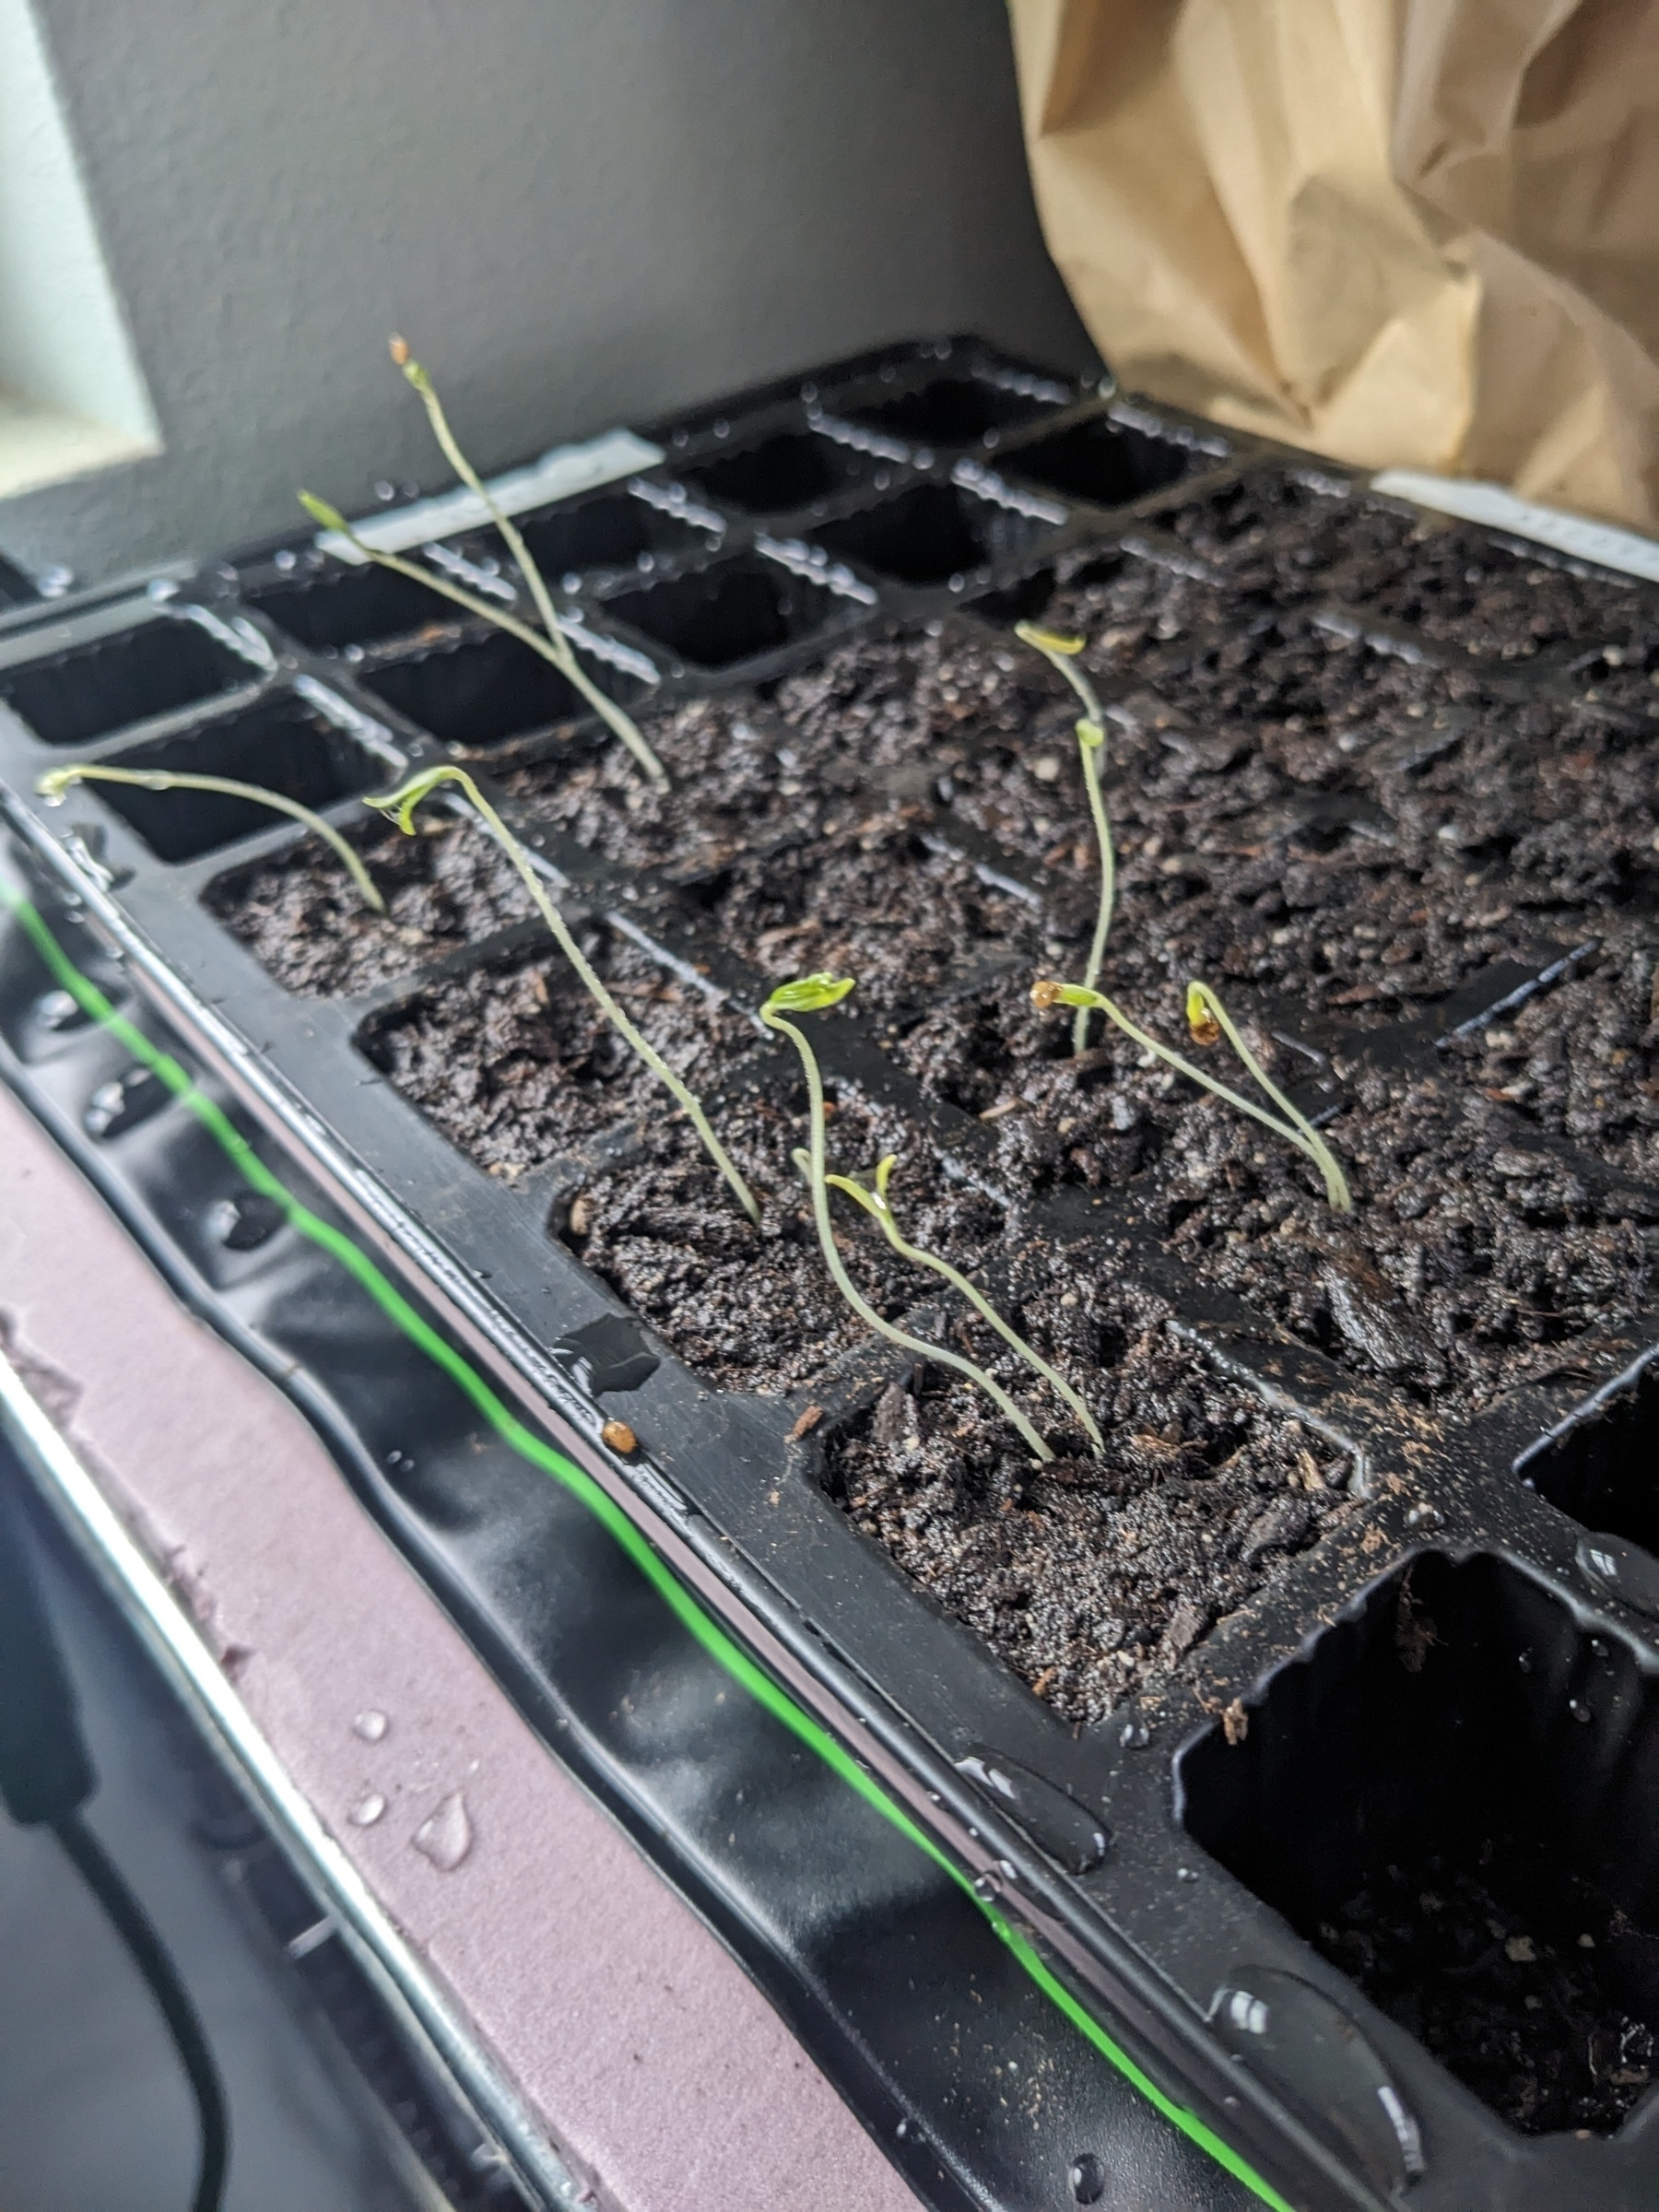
{"x": 599, "y": 1503}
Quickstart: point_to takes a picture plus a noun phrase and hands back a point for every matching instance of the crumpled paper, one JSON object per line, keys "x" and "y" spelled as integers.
{"x": 1413, "y": 233}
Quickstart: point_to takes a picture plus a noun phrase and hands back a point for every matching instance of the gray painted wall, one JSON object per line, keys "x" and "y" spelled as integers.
{"x": 579, "y": 211}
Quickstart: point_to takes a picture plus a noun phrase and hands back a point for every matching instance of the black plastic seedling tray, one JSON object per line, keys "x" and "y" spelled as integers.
{"x": 1446, "y": 1680}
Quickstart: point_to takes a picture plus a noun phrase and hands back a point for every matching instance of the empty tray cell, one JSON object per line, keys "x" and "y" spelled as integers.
{"x": 613, "y": 531}
{"x": 1105, "y": 462}
{"x": 1601, "y": 1471}
{"x": 779, "y": 475}
{"x": 280, "y": 745}
{"x": 481, "y": 692}
{"x": 952, "y": 410}
{"x": 733, "y": 611}
{"x": 1455, "y": 1797}
{"x": 148, "y": 670}
{"x": 345, "y": 606}
{"x": 930, "y": 534}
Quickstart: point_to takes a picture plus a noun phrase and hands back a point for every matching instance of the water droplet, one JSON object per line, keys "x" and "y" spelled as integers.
{"x": 286, "y": 559}
{"x": 367, "y": 1810}
{"x": 59, "y": 1010}
{"x": 1578, "y": 1710}
{"x": 1087, "y": 2178}
{"x": 1525, "y": 1663}
{"x": 1135, "y": 1735}
{"x": 445, "y": 1837}
{"x": 1185, "y": 1873}
{"x": 371, "y": 1725}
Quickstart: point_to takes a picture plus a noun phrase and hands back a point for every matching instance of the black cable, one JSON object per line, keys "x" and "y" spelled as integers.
{"x": 154, "y": 1963}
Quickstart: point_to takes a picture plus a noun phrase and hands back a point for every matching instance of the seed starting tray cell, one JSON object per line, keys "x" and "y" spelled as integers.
{"x": 1335, "y": 1791}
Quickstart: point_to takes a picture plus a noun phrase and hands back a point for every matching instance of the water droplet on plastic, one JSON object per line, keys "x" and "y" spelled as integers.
{"x": 371, "y": 1725}
{"x": 445, "y": 1837}
{"x": 384, "y": 492}
{"x": 367, "y": 1810}
{"x": 1525, "y": 1663}
{"x": 59, "y": 1010}
{"x": 1185, "y": 1873}
{"x": 987, "y": 1886}
{"x": 1087, "y": 2178}
{"x": 286, "y": 559}
{"x": 1135, "y": 1735}
{"x": 1578, "y": 1710}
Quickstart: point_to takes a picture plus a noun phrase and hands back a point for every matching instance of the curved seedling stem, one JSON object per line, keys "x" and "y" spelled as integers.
{"x": 1061, "y": 652}
{"x": 1295, "y": 1129}
{"x": 552, "y": 645}
{"x": 810, "y": 995}
{"x": 1204, "y": 1009}
{"x": 57, "y": 780}
{"x": 401, "y": 805}
{"x": 875, "y": 1204}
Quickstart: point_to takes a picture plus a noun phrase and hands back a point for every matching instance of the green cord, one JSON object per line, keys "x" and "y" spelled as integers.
{"x": 700, "y": 1624}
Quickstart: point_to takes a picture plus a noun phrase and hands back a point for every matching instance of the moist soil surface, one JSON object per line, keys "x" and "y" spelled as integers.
{"x": 1289, "y": 537}
{"x": 1339, "y": 838}
{"x": 1091, "y": 1577}
{"x": 1520, "y": 1982}
{"x": 304, "y": 920}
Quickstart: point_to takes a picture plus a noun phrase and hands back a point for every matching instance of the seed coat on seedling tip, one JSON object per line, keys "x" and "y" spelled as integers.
{"x": 1208, "y": 1020}
{"x": 550, "y": 641}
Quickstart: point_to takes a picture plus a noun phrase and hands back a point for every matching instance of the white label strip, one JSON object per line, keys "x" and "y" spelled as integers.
{"x": 1574, "y": 535}
{"x": 557, "y": 475}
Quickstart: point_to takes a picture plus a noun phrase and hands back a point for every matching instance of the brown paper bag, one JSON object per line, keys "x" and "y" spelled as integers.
{"x": 1422, "y": 232}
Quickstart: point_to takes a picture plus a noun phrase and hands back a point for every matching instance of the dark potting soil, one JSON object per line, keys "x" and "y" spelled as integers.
{"x": 1523, "y": 1984}
{"x": 1335, "y": 836}
{"x": 757, "y": 1310}
{"x": 1471, "y": 1263}
{"x": 303, "y": 919}
{"x": 518, "y": 1065}
{"x": 1298, "y": 536}
{"x": 1090, "y": 1577}
{"x": 519, "y": 1068}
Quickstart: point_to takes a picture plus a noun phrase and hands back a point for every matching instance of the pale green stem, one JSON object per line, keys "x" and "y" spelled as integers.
{"x": 56, "y": 780}
{"x": 843, "y": 1281}
{"x": 622, "y": 723}
{"x": 875, "y": 1203}
{"x": 1091, "y": 741}
{"x": 1313, "y": 1143}
{"x": 556, "y": 649}
{"x": 401, "y": 805}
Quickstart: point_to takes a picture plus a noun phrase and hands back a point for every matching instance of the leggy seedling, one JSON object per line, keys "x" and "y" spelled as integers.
{"x": 812, "y": 994}
{"x": 1062, "y": 653}
{"x": 551, "y": 641}
{"x": 874, "y": 1201}
{"x": 55, "y": 784}
{"x": 1208, "y": 1021}
{"x": 401, "y": 805}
